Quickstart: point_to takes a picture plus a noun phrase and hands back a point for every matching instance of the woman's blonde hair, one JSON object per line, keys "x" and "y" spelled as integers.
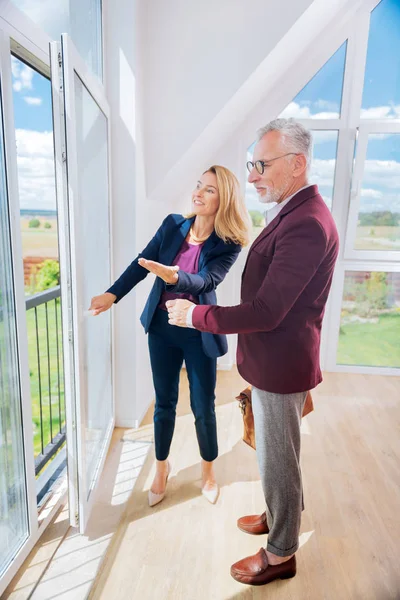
{"x": 232, "y": 221}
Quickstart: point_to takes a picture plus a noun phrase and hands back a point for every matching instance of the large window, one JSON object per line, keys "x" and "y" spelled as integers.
{"x": 80, "y": 18}
{"x": 356, "y": 165}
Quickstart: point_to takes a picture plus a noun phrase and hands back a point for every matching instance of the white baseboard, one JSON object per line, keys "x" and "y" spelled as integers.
{"x": 128, "y": 423}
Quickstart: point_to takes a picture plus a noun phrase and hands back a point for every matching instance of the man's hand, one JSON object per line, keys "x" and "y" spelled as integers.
{"x": 177, "y": 311}
{"x": 167, "y": 274}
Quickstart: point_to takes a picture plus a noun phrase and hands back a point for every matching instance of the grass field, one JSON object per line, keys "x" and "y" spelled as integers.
{"x": 371, "y": 344}
{"x": 55, "y": 389}
{"x": 377, "y": 238}
{"x": 39, "y": 241}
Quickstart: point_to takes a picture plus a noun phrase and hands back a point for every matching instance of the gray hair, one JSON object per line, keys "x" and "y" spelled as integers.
{"x": 295, "y": 137}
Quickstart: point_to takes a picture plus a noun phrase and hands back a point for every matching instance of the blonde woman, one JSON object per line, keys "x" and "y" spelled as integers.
{"x": 190, "y": 256}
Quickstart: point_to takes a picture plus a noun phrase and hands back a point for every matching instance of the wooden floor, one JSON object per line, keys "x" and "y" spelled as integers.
{"x": 183, "y": 549}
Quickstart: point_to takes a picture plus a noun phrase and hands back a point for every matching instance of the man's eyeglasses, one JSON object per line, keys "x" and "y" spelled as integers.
{"x": 261, "y": 164}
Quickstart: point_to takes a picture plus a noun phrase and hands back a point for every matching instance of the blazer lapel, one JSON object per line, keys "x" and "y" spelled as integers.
{"x": 178, "y": 240}
{"x": 297, "y": 199}
{"x": 208, "y": 245}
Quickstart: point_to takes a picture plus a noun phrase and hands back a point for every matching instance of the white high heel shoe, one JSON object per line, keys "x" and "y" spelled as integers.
{"x": 211, "y": 494}
{"x": 156, "y": 498}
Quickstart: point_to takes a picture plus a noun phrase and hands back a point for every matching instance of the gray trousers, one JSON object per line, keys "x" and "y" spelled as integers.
{"x": 277, "y": 419}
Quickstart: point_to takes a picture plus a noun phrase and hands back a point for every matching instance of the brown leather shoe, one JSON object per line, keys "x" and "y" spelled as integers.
{"x": 254, "y": 524}
{"x": 255, "y": 570}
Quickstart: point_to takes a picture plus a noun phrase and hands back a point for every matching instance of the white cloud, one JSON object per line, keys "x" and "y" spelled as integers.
{"x": 22, "y": 75}
{"x": 384, "y": 173}
{"x": 33, "y": 101}
{"x": 15, "y": 66}
{"x": 324, "y": 109}
{"x": 331, "y": 106}
{"x": 381, "y": 185}
{"x": 322, "y": 172}
{"x": 381, "y": 112}
{"x": 375, "y": 112}
{"x": 370, "y": 193}
{"x": 35, "y": 158}
{"x": 303, "y": 112}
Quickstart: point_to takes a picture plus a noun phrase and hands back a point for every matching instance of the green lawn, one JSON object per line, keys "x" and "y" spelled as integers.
{"x": 371, "y": 344}
{"x": 55, "y": 390}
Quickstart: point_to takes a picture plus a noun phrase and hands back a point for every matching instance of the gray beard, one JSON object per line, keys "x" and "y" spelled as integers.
{"x": 272, "y": 196}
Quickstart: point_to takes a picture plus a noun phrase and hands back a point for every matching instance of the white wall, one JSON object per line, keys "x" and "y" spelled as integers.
{"x": 133, "y": 386}
{"x": 196, "y": 55}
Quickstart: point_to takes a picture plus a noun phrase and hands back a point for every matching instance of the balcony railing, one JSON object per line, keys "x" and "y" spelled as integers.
{"x": 46, "y": 374}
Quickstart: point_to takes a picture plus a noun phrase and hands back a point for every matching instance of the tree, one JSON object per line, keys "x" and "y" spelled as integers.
{"x": 371, "y": 296}
{"x": 48, "y": 275}
{"x": 47, "y": 225}
{"x": 34, "y": 223}
{"x": 257, "y": 218}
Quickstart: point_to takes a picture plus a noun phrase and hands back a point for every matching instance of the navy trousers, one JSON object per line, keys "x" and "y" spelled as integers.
{"x": 169, "y": 346}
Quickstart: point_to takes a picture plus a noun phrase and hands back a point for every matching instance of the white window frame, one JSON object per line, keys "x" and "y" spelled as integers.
{"x": 65, "y": 62}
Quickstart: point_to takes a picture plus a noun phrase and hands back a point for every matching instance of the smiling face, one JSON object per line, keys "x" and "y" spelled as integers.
{"x": 205, "y": 197}
{"x": 282, "y": 175}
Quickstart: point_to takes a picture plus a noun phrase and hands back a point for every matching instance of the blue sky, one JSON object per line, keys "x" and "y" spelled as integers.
{"x": 34, "y": 133}
{"x": 32, "y": 103}
{"x": 382, "y": 76}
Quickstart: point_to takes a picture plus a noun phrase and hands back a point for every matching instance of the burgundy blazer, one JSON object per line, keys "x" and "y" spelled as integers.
{"x": 285, "y": 286}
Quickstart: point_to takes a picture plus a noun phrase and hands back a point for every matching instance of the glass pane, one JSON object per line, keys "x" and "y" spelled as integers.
{"x": 378, "y": 226}
{"x": 321, "y": 98}
{"x": 322, "y": 173}
{"x": 370, "y": 320}
{"x": 324, "y": 163}
{"x": 80, "y": 18}
{"x": 39, "y": 229}
{"x": 94, "y": 268}
{"x": 381, "y": 97}
{"x": 36, "y": 177}
{"x": 13, "y": 502}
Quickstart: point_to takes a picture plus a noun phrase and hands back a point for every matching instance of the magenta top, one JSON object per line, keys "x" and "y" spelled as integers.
{"x": 188, "y": 260}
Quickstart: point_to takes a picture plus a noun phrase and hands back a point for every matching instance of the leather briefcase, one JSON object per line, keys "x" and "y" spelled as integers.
{"x": 244, "y": 399}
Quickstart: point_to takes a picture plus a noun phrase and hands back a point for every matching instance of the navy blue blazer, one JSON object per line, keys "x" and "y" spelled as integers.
{"x": 216, "y": 258}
